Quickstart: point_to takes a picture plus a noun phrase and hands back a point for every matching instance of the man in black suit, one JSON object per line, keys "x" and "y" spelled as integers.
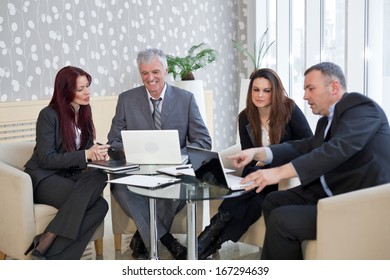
{"x": 349, "y": 151}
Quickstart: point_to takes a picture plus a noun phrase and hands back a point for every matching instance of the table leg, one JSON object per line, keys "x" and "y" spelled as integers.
{"x": 153, "y": 229}
{"x": 192, "y": 238}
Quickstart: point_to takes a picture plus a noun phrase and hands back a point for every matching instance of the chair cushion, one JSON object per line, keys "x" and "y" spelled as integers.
{"x": 43, "y": 215}
{"x": 309, "y": 249}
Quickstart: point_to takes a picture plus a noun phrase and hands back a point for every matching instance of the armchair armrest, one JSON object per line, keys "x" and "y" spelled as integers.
{"x": 355, "y": 225}
{"x": 16, "y": 208}
{"x": 227, "y": 163}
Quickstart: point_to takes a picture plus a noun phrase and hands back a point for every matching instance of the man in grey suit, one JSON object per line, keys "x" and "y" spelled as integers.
{"x": 349, "y": 151}
{"x": 135, "y": 111}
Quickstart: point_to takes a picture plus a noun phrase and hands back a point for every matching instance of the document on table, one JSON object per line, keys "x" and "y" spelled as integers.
{"x": 177, "y": 170}
{"x": 186, "y": 169}
{"x": 146, "y": 181}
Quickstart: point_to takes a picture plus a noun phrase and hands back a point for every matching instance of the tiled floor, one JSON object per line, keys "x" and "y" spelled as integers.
{"x": 229, "y": 250}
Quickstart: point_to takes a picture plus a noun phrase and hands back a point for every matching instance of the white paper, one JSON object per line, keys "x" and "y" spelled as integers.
{"x": 178, "y": 170}
{"x": 145, "y": 181}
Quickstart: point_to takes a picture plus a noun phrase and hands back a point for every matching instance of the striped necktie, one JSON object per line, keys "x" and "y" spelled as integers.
{"x": 156, "y": 113}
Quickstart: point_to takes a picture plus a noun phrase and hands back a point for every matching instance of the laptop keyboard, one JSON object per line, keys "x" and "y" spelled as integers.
{"x": 234, "y": 182}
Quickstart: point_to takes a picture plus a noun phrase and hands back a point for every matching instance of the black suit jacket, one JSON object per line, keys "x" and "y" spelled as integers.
{"x": 49, "y": 155}
{"x": 355, "y": 153}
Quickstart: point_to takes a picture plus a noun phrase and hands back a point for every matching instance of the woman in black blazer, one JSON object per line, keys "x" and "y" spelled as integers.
{"x": 58, "y": 167}
{"x": 270, "y": 117}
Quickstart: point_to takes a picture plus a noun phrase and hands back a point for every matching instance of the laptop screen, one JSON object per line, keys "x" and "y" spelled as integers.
{"x": 152, "y": 146}
{"x": 207, "y": 166}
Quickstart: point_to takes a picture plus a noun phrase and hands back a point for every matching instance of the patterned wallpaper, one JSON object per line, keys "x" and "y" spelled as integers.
{"x": 38, "y": 37}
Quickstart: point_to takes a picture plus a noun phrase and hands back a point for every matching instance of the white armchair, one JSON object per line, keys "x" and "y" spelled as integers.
{"x": 20, "y": 218}
{"x": 354, "y": 225}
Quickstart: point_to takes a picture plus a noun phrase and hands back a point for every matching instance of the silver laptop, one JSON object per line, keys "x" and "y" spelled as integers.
{"x": 208, "y": 167}
{"x": 152, "y": 147}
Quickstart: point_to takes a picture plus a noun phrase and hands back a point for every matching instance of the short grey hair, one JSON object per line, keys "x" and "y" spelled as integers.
{"x": 330, "y": 70}
{"x": 146, "y": 56}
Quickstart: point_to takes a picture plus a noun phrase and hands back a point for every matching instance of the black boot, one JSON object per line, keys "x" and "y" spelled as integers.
{"x": 213, "y": 247}
{"x": 211, "y": 232}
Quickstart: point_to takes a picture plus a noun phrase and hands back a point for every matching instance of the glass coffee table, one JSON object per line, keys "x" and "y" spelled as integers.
{"x": 190, "y": 190}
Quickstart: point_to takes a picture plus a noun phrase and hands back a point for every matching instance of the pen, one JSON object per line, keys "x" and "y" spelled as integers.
{"x": 112, "y": 149}
{"x": 183, "y": 167}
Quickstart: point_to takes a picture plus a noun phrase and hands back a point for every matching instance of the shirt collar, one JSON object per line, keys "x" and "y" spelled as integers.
{"x": 331, "y": 112}
{"x": 162, "y": 92}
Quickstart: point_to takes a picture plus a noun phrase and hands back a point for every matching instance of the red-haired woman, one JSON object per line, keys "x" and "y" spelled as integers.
{"x": 270, "y": 117}
{"x": 65, "y": 137}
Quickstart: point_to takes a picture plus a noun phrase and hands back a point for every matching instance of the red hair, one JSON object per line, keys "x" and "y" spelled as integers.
{"x": 64, "y": 93}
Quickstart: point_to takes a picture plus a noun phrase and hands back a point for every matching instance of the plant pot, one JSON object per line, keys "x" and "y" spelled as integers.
{"x": 242, "y": 100}
{"x": 196, "y": 87}
{"x": 243, "y": 93}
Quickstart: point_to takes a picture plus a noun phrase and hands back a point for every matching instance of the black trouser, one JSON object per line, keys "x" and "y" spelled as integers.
{"x": 81, "y": 209}
{"x": 290, "y": 218}
{"x": 245, "y": 210}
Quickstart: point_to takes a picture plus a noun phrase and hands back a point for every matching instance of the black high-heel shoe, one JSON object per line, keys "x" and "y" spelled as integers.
{"x": 35, "y": 255}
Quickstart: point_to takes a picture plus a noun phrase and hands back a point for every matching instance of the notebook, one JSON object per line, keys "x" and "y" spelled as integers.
{"x": 152, "y": 147}
{"x": 113, "y": 165}
{"x": 208, "y": 167}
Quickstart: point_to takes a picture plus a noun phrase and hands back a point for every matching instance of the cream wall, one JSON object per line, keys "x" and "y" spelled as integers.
{"x": 37, "y": 38}
{"x": 18, "y": 119}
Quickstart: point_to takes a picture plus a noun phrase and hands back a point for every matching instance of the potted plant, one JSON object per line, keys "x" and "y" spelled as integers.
{"x": 260, "y": 49}
{"x": 199, "y": 56}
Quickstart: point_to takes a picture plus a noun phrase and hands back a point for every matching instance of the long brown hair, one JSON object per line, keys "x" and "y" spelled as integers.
{"x": 281, "y": 107}
{"x": 64, "y": 93}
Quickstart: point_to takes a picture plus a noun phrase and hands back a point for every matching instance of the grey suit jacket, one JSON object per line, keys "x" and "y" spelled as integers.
{"x": 49, "y": 155}
{"x": 355, "y": 153}
{"x": 179, "y": 111}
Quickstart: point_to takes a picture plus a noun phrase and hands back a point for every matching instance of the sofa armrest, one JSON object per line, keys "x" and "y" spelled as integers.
{"x": 228, "y": 163}
{"x": 355, "y": 225}
{"x": 16, "y": 208}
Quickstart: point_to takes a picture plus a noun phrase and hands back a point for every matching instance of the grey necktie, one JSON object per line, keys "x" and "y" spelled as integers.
{"x": 156, "y": 113}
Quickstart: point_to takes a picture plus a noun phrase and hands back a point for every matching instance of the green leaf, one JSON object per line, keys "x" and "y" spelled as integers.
{"x": 259, "y": 50}
{"x": 199, "y": 56}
